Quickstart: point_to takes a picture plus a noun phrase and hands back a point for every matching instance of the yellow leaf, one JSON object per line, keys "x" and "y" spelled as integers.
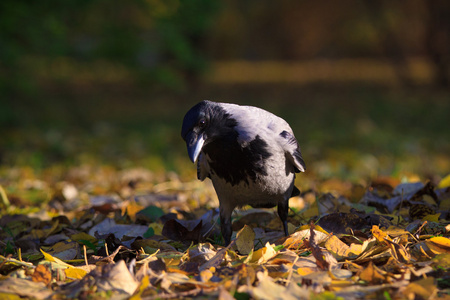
{"x": 262, "y": 255}
{"x": 245, "y": 240}
{"x": 70, "y": 271}
{"x": 441, "y": 241}
{"x": 157, "y": 228}
{"x": 340, "y": 249}
{"x": 435, "y": 248}
{"x": 305, "y": 271}
{"x": 444, "y": 183}
{"x": 75, "y": 273}
{"x": 83, "y": 236}
{"x": 295, "y": 240}
{"x": 205, "y": 275}
{"x": 8, "y": 296}
{"x": 132, "y": 208}
{"x": 372, "y": 274}
{"x": 55, "y": 259}
{"x": 432, "y": 218}
{"x": 421, "y": 289}
{"x": 379, "y": 234}
{"x": 316, "y": 227}
{"x": 145, "y": 282}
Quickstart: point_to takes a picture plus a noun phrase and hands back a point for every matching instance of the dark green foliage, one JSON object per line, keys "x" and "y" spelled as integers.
{"x": 156, "y": 39}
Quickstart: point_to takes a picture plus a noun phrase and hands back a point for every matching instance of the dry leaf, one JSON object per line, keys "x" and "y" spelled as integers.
{"x": 372, "y": 274}
{"x": 421, "y": 289}
{"x": 25, "y": 288}
{"x": 441, "y": 241}
{"x": 379, "y": 234}
{"x": 116, "y": 277}
{"x": 262, "y": 255}
{"x": 42, "y": 274}
{"x": 245, "y": 240}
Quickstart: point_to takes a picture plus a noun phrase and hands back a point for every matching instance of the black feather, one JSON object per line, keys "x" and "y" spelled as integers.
{"x": 291, "y": 139}
{"x": 234, "y": 163}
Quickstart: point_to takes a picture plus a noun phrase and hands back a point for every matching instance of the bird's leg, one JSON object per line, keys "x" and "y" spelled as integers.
{"x": 283, "y": 210}
{"x": 225, "y": 226}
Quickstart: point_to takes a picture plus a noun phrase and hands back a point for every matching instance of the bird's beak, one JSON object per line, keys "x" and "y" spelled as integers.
{"x": 194, "y": 143}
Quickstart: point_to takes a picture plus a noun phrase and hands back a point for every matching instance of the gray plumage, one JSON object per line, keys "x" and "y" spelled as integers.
{"x": 250, "y": 154}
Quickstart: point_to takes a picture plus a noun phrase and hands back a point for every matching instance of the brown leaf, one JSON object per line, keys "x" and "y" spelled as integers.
{"x": 178, "y": 230}
{"x": 372, "y": 273}
{"x": 316, "y": 251}
{"x": 42, "y": 274}
{"x": 217, "y": 259}
{"x": 115, "y": 277}
{"x": 379, "y": 234}
{"x": 342, "y": 223}
{"x": 421, "y": 289}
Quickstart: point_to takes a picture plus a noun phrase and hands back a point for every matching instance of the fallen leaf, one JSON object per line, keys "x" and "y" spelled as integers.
{"x": 421, "y": 289}
{"x": 295, "y": 240}
{"x": 245, "y": 240}
{"x": 441, "y": 241}
{"x": 445, "y": 182}
{"x": 432, "y": 218}
{"x": 69, "y": 270}
{"x": 442, "y": 260}
{"x": 25, "y": 288}
{"x": 372, "y": 274}
{"x": 115, "y": 277}
{"x": 342, "y": 250}
{"x": 184, "y": 231}
{"x": 217, "y": 259}
{"x": 268, "y": 289}
{"x": 145, "y": 282}
{"x": 42, "y": 274}
{"x": 66, "y": 250}
{"x": 150, "y": 214}
{"x": 379, "y": 234}
{"x": 338, "y": 223}
{"x": 83, "y": 236}
{"x": 109, "y": 226}
{"x": 262, "y": 255}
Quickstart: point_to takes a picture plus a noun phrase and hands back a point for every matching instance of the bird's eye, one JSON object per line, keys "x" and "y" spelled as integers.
{"x": 202, "y": 123}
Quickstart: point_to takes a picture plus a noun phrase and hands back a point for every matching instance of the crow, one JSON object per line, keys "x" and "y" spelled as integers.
{"x": 250, "y": 155}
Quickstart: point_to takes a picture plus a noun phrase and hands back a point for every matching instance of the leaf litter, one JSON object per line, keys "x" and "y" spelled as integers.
{"x": 131, "y": 235}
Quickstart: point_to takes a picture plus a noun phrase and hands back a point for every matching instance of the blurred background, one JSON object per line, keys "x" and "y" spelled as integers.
{"x": 365, "y": 84}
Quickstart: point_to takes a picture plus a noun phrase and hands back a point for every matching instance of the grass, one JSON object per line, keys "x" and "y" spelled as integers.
{"x": 350, "y": 130}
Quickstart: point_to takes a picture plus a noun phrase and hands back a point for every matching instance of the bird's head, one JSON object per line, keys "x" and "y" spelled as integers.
{"x": 202, "y": 124}
{"x": 195, "y": 128}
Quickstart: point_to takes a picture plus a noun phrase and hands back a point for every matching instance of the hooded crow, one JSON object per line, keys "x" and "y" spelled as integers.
{"x": 250, "y": 155}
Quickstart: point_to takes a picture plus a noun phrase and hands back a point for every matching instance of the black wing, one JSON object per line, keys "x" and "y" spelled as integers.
{"x": 292, "y": 150}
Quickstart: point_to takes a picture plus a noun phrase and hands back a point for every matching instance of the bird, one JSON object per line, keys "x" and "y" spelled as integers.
{"x": 250, "y": 155}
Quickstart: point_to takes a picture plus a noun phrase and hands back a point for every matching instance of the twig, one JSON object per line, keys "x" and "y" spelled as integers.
{"x": 85, "y": 255}
{"x": 420, "y": 229}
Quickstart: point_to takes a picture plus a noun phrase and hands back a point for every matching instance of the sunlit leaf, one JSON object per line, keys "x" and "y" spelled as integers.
{"x": 245, "y": 240}
{"x": 445, "y": 182}
{"x": 441, "y": 241}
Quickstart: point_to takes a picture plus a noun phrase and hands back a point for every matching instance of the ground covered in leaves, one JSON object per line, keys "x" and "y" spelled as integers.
{"x": 102, "y": 233}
